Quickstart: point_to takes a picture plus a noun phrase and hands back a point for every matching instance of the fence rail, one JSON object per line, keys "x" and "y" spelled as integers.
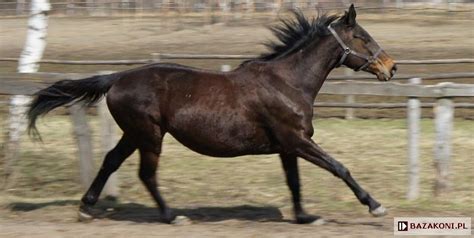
{"x": 27, "y": 84}
{"x": 383, "y": 105}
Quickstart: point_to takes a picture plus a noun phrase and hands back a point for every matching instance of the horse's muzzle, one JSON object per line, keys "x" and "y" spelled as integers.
{"x": 385, "y": 74}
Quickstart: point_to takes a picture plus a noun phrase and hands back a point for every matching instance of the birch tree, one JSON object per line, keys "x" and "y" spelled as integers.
{"x": 28, "y": 63}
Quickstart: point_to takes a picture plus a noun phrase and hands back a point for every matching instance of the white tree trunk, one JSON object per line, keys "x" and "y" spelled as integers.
{"x": 36, "y": 38}
{"x": 28, "y": 63}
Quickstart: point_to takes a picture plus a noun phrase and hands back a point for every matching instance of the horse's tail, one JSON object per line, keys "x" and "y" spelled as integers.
{"x": 88, "y": 90}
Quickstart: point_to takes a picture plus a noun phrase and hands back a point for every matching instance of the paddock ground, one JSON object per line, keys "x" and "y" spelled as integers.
{"x": 246, "y": 196}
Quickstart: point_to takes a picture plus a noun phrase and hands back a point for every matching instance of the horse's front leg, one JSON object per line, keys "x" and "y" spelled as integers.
{"x": 310, "y": 151}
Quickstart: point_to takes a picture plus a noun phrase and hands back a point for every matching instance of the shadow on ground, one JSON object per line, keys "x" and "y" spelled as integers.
{"x": 139, "y": 213}
{"x": 31, "y": 206}
{"x": 145, "y": 214}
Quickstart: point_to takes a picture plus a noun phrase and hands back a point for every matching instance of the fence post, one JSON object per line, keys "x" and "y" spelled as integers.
{"x": 156, "y": 57}
{"x": 350, "y": 111}
{"x": 70, "y": 7}
{"x": 108, "y": 141}
{"x": 444, "y": 112}
{"x": 413, "y": 123}
{"x": 225, "y": 68}
{"x": 399, "y": 4}
{"x": 349, "y": 115}
{"x": 83, "y": 136}
{"x": 20, "y": 7}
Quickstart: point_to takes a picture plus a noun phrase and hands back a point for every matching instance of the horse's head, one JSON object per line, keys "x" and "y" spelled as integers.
{"x": 360, "y": 51}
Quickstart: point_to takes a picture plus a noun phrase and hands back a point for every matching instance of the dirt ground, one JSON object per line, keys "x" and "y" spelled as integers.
{"x": 237, "y": 197}
{"x": 45, "y": 206}
{"x": 133, "y": 220}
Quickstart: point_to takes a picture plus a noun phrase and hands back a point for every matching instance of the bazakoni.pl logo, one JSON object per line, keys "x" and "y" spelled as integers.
{"x": 432, "y": 225}
{"x": 402, "y": 226}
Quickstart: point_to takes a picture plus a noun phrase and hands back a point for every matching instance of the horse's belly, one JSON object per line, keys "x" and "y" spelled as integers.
{"x": 221, "y": 135}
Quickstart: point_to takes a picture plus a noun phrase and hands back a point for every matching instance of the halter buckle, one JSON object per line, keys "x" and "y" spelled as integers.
{"x": 347, "y": 51}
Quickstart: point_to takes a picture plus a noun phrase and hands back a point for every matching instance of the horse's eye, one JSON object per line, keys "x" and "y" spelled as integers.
{"x": 365, "y": 40}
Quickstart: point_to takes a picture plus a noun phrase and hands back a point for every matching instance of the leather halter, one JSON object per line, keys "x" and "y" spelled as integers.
{"x": 348, "y": 51}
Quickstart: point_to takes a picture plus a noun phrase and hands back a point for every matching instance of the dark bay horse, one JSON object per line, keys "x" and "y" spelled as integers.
{"x": 264, "y": 106}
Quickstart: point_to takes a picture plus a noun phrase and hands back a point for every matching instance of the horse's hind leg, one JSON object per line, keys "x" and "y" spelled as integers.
{"x": 149, "y": 159}
{"x": 290, "y": 166}
{"x": 112, "y": 162}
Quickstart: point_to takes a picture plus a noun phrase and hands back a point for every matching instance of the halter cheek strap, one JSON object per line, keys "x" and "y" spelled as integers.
{"x": 348, "y": 51}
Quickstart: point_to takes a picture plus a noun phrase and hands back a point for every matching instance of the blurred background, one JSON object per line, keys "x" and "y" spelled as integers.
{"x": 384, "y": 144}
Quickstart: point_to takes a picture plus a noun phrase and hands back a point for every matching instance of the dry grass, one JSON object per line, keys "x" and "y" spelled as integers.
{"x": 374, "y": 151}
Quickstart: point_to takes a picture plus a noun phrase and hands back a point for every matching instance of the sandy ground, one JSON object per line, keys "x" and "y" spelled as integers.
{"x": 239, "y": 197}
{"x": 58, "y": 219}
{"x": 224, "y": 222}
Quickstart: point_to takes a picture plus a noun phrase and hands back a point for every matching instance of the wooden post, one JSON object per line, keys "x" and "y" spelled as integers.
{"x": 444, "y": 112}
{"x": 70, "y": 7}
{"x": 108, "y": 140}
{"x": 83, "y": 136}
{"x": 350, "y": 111}
{"x": 225, "y": 68}
{"x": 249, "y": 6}
{"x": 20, "y": 7}
{"x": 156, "y": 57}
{"x": 227, "y": 11}
{"x": 349, "y": 115}
{"x": 90, "y": 6}
{"x": 413, "y": 124}
{"x": 399, "y": 4}
{"x": 276, "y": 7}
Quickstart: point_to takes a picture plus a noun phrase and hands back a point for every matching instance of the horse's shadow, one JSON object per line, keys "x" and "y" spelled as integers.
{"x": 145, "y": 214}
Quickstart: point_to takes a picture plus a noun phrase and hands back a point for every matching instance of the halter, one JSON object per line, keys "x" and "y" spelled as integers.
{"x": 348, "y": 51}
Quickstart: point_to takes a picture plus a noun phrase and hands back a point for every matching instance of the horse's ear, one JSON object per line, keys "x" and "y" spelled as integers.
{"x": 350, "y": 16}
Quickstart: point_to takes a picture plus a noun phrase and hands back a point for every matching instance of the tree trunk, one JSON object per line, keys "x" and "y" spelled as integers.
{"x": 28, "y": 63}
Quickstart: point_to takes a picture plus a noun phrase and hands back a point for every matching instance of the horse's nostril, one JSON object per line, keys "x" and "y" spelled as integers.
{"x": 394, "y": 69}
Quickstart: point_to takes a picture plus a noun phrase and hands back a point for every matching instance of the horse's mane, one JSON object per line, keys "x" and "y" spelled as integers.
{"x": 295, "y": 33}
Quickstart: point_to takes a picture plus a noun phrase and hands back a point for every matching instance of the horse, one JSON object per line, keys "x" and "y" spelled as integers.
{"x": 264, "y": 106}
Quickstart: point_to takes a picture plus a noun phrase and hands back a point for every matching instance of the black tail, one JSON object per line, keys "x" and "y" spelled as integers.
{"x": 88, "y": 90}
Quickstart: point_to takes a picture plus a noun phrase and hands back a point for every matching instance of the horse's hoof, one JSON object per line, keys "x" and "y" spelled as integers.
{"x": 318, "y": 222}
{"x": 84, "y": 217}
{"x": 87, "y": 213}
{"x": 309, "y": 219}
{"x": 167, "y": 217}
{"x": 181, "y": 220}
{"x": 379, "y": 211}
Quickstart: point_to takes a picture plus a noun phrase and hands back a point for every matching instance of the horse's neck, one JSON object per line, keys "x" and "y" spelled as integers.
{"x": 311, "y": 66}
